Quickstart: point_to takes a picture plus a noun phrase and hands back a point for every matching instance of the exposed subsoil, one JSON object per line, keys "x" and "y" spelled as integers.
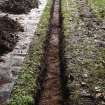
{"x": 8, "y": 37}
{"x": 51, "y": 94}
{"x": 18, "y": 6}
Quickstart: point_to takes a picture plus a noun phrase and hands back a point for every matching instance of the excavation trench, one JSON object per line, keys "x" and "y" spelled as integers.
{"x": 50, "y": 93}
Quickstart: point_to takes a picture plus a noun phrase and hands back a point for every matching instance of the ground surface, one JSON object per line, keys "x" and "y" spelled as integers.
{"x": 66, "y": 59}
{"x": 10, "y": 63}
{"x": 84, "y": 54}
{"x": 98, "y": 7}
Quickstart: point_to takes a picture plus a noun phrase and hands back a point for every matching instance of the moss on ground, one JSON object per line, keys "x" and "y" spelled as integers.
{"x": 26, "y": 86}
{"x": 98, "y": 6}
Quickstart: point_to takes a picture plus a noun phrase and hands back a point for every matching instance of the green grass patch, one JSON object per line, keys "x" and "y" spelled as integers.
{"x": 66, "y": 16}
{"x": 98, "y": 7}
{"x": 68, "y": 12}
{"x": 26, "y": 86}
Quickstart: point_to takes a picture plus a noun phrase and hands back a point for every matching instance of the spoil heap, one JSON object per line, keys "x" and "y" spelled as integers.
{"x": 18, "y": 6}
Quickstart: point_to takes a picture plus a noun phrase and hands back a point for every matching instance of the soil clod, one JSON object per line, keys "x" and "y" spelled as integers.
{"x": 18, "y": 6}
{"x": 8, "y": 37}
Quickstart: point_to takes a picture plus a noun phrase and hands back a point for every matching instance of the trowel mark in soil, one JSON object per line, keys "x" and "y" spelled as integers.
{"x": 51, "y": 85}
{"x": 8, "y": 37}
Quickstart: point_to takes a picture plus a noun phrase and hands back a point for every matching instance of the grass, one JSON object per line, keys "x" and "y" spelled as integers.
{"x": 26, "y": 86}
{"x": 68, "y": 11}
{"x": 98, "y": 7}
{"x": 82, "y": 55}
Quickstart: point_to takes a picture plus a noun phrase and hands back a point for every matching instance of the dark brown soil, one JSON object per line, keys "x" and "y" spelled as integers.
{"x": 7, "y": 24}
{"x": 51, "y": 94}
{"x": 8, "y": 37}
{"x": 18, "y": 6}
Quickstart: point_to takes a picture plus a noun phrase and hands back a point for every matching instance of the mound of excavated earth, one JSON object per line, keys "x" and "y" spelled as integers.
{"x": 11, "y": 63}
{"x": 8, "y": 37}
{"x": 17, "y": 6}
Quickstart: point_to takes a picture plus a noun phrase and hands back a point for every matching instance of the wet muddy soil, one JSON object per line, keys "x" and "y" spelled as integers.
{"x": 50, "y": 93}
{"x": 8, "y": 37}
{"x": 11, "y": 58}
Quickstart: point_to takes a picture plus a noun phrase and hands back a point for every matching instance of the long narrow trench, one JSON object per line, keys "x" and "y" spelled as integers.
{"x": 51, "y": 94}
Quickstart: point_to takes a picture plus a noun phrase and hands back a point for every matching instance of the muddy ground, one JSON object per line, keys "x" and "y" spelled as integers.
{"x": 12, "y": 58}
{"x": 18, "y": 6}
{"x": 9, "y": 27}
